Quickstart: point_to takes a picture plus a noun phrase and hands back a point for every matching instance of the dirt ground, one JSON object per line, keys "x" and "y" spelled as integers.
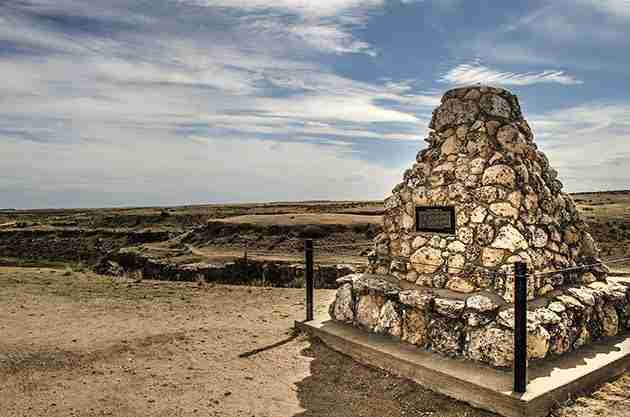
{"x": 78, "y": 344}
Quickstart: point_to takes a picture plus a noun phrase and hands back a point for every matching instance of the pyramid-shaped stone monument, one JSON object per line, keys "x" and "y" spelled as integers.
{"x": 479, "y": 198}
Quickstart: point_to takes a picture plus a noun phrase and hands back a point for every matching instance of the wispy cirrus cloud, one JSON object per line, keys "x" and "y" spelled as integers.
{"x": 576, "y": 34}
{"x": 92, "y": 98}
{"x": 119, "y": 103}
{"x": 325, "y": 26}
{"x": 474, "y": 73}
{"x": 615, "y": 8}
{"x": 589, "y": 144}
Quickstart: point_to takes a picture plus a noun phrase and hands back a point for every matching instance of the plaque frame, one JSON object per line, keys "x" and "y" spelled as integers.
{"x": 448, "y": 231}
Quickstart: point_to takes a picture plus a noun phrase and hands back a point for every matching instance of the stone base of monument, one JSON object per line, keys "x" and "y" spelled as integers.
{"x": 462, "y": 345}
{"x": 550, "y": 382}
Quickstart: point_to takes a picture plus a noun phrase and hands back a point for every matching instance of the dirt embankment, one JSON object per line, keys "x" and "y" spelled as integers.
{"x": 265, "y": 272}
{"x": 70, "y": 245}
{"x": 216, "y": 236}
{"x": 254, "y": 234}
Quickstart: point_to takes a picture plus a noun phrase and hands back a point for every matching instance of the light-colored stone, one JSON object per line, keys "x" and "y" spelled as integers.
{"x": 343, "y": 305}
{"x": 491, "y": 257}
{"x": 499, "y": 175}
{"x": 511, "y": 139}
{"x": 477, "y": 166}
{"x": 482, "y": 303}
{"x": 421, "y": 300}
{"x": 456, "y": 246}
{"x": 454, "y": 112}
{"x": 495, "y": 105}
{"x": 369, "y": 310}
{"x": 408, "y": 222}
{"x": 449, "y": 308}
{"x": 445, "y": 336}
{"x": 547, "y": 316}
{"x": 487, "y": 194}
{"x": 478, "y": 214}
{"x": 473, "y": 94}
{"x": 465, "y": 234}
{"x": 503, "y": 209}
{"x": 389, "y": 321}
{"x": 459, "y": 284}
{"x": 588, "y": 278}
{"x": 515, "y": 198}
{"x": 414, "y": 327}
{"x": 588, "y": 247}
{"x": 427, "y": 260}
{"x": 444, "y": 167}
{"x": 570, "y": 302}
{"x": 411, "y": 276}
{"x": 509, "y": 238}
{"x": 491, "y": 345}
{"x": 456, "y": 263}
{"x": 461, "y": 131}
{"x": 557, "y": 307}
{"x": 461, "y": 218}
{"x": 392, "y": 202}
{"x": 419, "y": 241}
{"x": 436, "y": 180}
{"x": 545, "y": 289}
{"x": 609, "y": 320}
{"x": 584, "y": 295}
{"x": 437, "y": 242}
{"x": 458, "y": 192}
{"x": 539, "y": 237}
{"x": 537, "y": 343}
{"x": 471, "y": 181}
{"x": 461, "y": 172}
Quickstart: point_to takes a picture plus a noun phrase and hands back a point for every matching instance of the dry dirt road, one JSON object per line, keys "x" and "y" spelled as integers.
{"x": 77, "y": 344}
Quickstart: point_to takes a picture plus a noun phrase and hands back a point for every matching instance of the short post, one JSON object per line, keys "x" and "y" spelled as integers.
{"x": 520, "y": 327}
{"x": 308, "y": 260}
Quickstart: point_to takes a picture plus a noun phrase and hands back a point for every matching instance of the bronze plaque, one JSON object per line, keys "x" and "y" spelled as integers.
{"x": 435, "y": 219}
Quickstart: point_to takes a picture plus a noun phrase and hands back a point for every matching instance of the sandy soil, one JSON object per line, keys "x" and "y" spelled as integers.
{"x": 75, "y": 344}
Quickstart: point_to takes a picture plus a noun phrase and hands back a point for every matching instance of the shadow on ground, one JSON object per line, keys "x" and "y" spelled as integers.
{"x": 340, "y": 387}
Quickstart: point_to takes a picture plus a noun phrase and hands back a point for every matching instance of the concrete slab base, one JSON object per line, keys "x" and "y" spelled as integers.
{"x": 549, "y": 383}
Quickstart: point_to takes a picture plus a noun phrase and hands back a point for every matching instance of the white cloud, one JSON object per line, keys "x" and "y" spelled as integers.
{"x": 330, "y": 39}
{"x": 580, "y": 35}
{"x": 160, "y": 171}
{"x": 326, "y": 26}
{"x": 189, "y": 119}
{"x": 306, "y": 8}
{"x": 473, "y": 73}
{"x": 589, "y": 144}
{"x": 615, "y": 8}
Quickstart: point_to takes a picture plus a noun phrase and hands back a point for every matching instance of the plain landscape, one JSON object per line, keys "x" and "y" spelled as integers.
{"x": 134, "y": 311}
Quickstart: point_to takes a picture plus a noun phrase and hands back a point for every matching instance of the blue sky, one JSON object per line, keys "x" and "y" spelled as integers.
{"x": 165, "y": 102}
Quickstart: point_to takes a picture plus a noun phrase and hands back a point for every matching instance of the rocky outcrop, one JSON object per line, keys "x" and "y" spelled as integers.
{"x": 133, "y": 260}
{"x": 71, "y": 244}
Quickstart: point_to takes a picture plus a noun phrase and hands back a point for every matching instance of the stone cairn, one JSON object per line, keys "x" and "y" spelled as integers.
{"x": 452, "y": 293}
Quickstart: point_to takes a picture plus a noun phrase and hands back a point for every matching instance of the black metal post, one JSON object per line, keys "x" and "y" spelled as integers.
{"x": 520, "y": 327}
{"x": 308, "y": 260}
